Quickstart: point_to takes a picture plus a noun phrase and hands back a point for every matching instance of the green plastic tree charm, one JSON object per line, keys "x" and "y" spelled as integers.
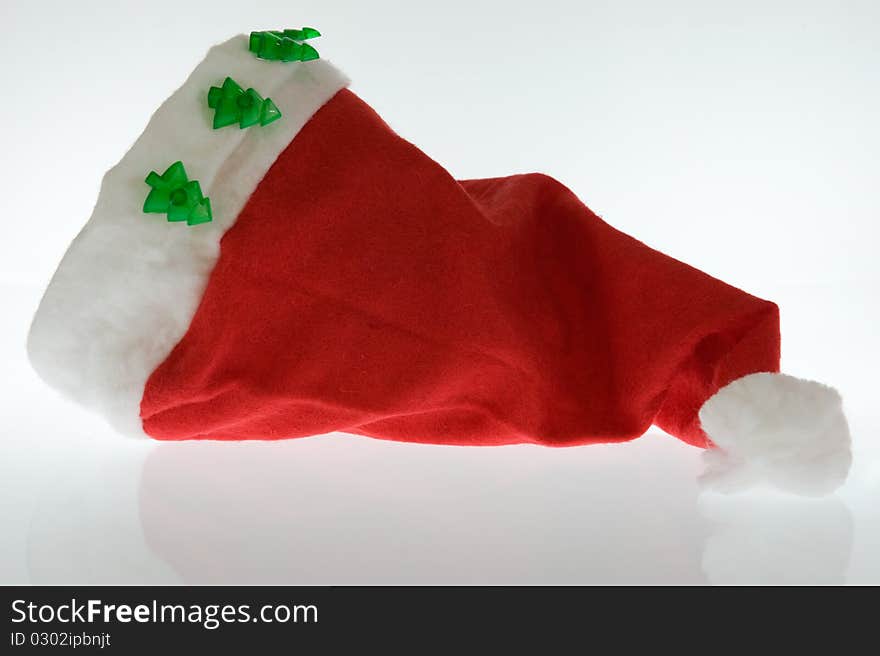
{"x": 232, "y": 104}
{"x": 284, "y": 45}
{"x": 177, "y": 196}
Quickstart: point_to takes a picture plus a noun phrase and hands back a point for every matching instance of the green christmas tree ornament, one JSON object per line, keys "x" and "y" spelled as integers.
{"x": 284, "y": 45}
{"x": 174, "y": 194}
{"x": 232, "y": 104}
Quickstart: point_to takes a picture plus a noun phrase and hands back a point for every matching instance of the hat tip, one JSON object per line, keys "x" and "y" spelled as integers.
{"x": 776, "y": 430}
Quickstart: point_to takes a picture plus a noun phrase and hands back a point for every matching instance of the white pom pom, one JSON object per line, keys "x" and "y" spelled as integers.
{"x": 778, "y": 430}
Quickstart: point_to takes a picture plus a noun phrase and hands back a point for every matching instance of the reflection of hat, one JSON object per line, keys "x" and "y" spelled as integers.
{"x": 318, "y": 273}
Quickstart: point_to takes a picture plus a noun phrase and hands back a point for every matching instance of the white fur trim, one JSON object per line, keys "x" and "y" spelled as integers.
{"x": 776, "y": 429}
{"x": 129, "y": 284}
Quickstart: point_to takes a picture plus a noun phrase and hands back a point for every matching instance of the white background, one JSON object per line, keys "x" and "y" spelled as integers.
{"x": 741, "y": 137}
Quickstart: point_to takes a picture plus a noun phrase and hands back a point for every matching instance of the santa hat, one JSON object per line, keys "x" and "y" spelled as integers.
{"x": 318, "y": 273}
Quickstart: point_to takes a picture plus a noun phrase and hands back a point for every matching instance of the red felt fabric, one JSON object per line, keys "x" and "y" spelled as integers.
{"x": 362, "y": 289}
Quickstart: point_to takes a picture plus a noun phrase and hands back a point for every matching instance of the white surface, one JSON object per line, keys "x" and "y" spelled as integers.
{"x": 129, "y": 285}
{"x": 740, "y": 138}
